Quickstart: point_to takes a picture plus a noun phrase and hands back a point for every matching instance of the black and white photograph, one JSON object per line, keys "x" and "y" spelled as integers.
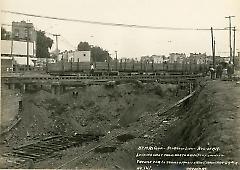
{"x": 120, "y": 84}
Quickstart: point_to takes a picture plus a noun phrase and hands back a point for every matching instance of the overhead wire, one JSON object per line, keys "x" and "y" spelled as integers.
{"x": 111, "y": 23}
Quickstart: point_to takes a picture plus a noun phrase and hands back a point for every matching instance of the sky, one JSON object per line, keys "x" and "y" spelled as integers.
{"x": 133, "y": 42}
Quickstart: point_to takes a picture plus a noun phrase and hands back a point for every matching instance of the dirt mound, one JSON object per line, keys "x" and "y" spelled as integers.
{"x": 95, "y": 109}
{"x": 211, "y": 121}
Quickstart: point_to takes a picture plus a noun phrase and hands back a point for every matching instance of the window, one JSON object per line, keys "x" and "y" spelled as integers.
{"x": 26, "y": 32}
{"x": 84, "y": 55}
{"x": 16, "y": 32}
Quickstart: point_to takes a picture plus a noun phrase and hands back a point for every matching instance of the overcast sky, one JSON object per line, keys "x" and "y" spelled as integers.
{"x": 133, "y": 42}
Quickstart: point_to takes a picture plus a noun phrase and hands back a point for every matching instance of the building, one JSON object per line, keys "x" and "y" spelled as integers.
{"x": 158, "y": 58}
{"x": 198, "y": 58}
{"x": 75, "y": 56}
{"x": 237, "y": 60}
{"x": 154, "y": 58}
{"x": 42, "y": 62}
{"x": 218, "y": 59}
{"x": 127, "y": 60}
{"x": 17, "y": 48}
{"x": 14, "y": 51}
{"x": 146, "y": 59}
{"x": 176, "y": 57}
{"x": 21, "y": 30}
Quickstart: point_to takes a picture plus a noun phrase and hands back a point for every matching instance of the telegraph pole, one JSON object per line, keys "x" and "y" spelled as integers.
{"x": 234, "y": 45}
{"x": 28, "y": 48}
{"x": 108, "y": 62}
{"x": 12, "y": 47}
{"x": 230, "y": 35}
{"x": 56, "y": 35}
{"x": 213, "y": 47}
{"x": 214, "y": 51}
{"x": 116, "y": 59}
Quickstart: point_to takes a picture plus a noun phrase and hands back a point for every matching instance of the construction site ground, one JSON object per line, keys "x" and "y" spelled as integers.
{"x": 210, "y": 119}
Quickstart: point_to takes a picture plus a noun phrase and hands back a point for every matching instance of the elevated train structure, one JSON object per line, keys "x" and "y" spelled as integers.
{"x": 123, "y": 67}
{"x": 74, "y": 74}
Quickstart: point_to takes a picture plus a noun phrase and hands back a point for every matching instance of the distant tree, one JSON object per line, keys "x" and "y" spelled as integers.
{"x": 5, "y": 35}
{"x": 83, "y": 46}
{"x": 97, "y": 53}
{"x": 43, "y": 45}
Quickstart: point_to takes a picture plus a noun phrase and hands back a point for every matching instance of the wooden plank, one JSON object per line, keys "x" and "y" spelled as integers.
{"x": 45, "y": 147}
{"x": 19, "y": 152}
{"x": 178, "y": 103}
{"x": 37, "y": 150}
{"x": 12, "y": 126}
{"x": 52, "y": 137}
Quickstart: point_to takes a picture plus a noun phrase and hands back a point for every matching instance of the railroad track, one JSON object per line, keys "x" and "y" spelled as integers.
{"x": 48, "y": 147}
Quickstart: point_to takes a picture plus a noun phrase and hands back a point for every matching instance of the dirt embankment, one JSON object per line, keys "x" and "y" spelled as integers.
{"x": 95, "y": 109}
{"x": 210, "y": 120}
{"x": 109, "y": 110}
{"x": 213, "y": 120}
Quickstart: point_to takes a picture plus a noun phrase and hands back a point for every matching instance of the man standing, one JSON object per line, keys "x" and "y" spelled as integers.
{"x": 219, "y": 71}
{"x": 92, "y": 69}
{"x": 212, "y": 72}
{"x": 230, "y": 70}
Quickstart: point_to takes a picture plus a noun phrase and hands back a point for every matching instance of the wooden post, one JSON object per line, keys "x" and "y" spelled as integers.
{"x": 121, "y": 64}
{"x": 213, "y": 48}
{"x": 152, "y": 65}
{"x": 27, "y": 48}
{"x": 116, "y": 59}
{"x": 108, "y": 63}
{"x": 133, "y": 65}
{"x": 78, "y": 60}
{"x": 125, "y": 64}
{"x": 234, "y": 44}
{"x": 62, "y": 64}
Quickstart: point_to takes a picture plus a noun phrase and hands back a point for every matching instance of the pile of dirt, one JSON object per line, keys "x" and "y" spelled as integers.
{"x": 212, "y": 120}
{"x": 95, "y": 109}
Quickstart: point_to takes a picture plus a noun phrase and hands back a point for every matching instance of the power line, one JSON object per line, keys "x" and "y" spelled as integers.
{"x": 66, "y": 41}
{"x": 9, "y": 25}
{"x": 110, "y": 23}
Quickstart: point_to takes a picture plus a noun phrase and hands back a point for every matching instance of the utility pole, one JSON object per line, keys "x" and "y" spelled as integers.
{"x": 28, "y": 48}
{"x": 214, "y": 51}
{"x": 116, "y": 59}
{"x": 12, "y": 48}
{"x": 108, "y": 62}
{"x": 56, "y": 35}
{"x": 234, "y": 45}
{"x": 230, "y": 35}
{"x": 213, "y": 47}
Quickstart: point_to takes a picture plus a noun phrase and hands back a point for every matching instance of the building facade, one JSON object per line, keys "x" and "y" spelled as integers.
{"x": 22, "y": 30}
{"x": 22, "y": 44}
{"x": 75, "y": 56}
{"x": 158, "y": 58}
{"x": 177, "y": 57}
{"x": 154, "y": 58}
{"x": 198, "y": 58}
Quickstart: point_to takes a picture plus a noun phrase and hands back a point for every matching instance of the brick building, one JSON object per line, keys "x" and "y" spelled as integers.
{"x": 20, "y": 31}
{"x": 177, "y": 57}
{"x": 198, "y": 58}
